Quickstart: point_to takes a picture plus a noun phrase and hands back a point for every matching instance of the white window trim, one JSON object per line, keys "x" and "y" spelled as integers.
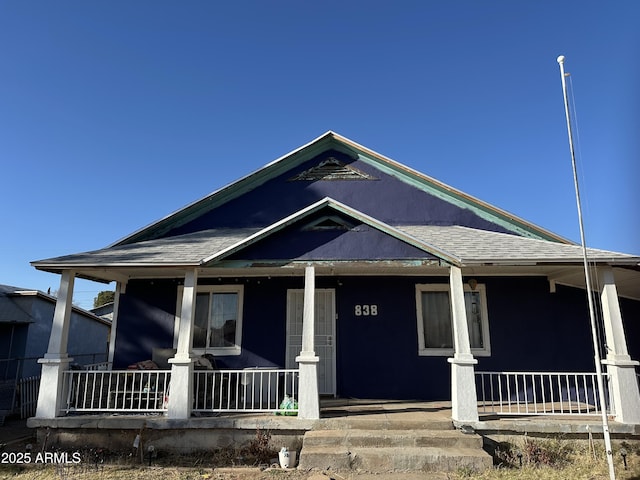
{"x": 436, "y": 287}
{"x": 217, "y": 351}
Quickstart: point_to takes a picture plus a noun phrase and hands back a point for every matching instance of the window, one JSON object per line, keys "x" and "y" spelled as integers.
{"x": 435, "y": 328}
{"x": 217, "y": 325}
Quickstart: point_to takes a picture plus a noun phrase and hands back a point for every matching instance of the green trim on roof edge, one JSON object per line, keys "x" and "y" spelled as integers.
{"x": 459, "y": 199}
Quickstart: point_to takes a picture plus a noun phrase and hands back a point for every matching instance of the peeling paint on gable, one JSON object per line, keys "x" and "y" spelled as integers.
{"x": 332, "y": 169}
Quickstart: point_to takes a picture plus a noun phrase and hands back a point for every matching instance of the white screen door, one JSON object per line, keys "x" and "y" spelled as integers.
{"x": 325, "y": 328}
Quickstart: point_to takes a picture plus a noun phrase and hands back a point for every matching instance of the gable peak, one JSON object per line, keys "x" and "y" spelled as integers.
{"x": 330, "y": 168}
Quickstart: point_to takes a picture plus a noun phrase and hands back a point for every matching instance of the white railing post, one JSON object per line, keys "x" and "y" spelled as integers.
{"x": 620, "y": 367}
{"x": 309, "y": 400}
{"x": 56, "y": 360}
{"x": 181, "y": 388}
{"x": 464, "y": 400}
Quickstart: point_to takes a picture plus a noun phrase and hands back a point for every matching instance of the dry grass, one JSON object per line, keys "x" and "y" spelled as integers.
{"x": 541, "y": 459}
{"x": 557, "y": 459}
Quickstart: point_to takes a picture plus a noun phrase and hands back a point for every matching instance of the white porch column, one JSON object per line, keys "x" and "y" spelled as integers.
{"x": 120, "y": 289}
{"x": 181, "y": 388}
{"x": 56, "y": 360}
{"x": 308, "y": 399}
{"x": 623, "y": 383}
{"x": 464, "y": 401}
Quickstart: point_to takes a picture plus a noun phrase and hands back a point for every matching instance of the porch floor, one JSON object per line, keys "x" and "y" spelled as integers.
{"x": 395, "y": 412}
{"x": 350, "y": 413}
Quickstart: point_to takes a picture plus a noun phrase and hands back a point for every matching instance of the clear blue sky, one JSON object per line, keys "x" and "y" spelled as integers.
{"x": 115, "y": 113}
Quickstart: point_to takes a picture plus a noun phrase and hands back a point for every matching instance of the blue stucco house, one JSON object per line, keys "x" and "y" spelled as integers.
{"x": 361, "y": 276}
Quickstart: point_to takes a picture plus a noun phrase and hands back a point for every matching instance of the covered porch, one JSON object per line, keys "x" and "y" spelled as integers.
{"x": 183, "y": 392}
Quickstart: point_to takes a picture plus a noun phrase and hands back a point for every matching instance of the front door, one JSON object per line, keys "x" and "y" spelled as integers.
{"x": 325, "y": 329}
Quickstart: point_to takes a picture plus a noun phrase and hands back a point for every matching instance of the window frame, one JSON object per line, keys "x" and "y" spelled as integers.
{"x": 485, "y": 351}
{"x": 216, "y": 351}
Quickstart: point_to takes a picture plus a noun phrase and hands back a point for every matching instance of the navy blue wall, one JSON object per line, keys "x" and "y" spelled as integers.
{"x": 361, "y": 242}
{"x": 387, "y": 199}
{"x": 631, "y": 318}
{"x": 530, "y": 329}
{"x": 534, "y": 329}
{"x": 377, "y": 356}
{"x": 146, "y": 320}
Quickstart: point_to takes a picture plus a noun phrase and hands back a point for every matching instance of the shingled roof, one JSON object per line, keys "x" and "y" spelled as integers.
{"x": 478, "y": 247}
{"x": 455, "y": 244}
{"x": 181, "y": 250}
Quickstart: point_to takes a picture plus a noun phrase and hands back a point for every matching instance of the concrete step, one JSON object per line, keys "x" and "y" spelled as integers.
{"x": 392, "y": 438}
{"x": 382, "y": 423}
{"x": 380, "y": 450}
{"x": 393, "y": 459}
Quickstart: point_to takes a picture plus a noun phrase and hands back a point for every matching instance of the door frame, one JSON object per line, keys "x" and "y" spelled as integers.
{"x": 330, "y": 363}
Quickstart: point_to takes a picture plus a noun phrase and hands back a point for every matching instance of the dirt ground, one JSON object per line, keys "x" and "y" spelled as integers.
{"x": 86, "y": 472}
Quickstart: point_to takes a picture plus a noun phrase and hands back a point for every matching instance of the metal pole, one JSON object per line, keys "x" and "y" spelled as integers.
{"x": 596, "y": 349}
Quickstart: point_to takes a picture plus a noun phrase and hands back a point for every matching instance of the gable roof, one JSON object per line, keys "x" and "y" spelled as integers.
{"x": 333, "y": 141}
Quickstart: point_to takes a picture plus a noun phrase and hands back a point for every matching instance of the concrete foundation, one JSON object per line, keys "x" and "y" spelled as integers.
{"x": 185, "y": 436}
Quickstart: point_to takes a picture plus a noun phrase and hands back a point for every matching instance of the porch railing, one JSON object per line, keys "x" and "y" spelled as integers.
{"x": 539, "y": 393}
{"x": 20, "y": 381}
{"x": 248, "y": 390}
{"x": 140, "y": 391}
{"x": 147, "y": 391}
{"x": 28, "y": 389}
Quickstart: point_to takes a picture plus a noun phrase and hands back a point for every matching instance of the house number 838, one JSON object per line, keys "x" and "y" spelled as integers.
{"x": 366, "y": 310}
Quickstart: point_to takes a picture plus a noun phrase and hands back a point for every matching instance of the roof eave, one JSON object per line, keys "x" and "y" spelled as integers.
{"x": 617, "y": 262}
{"x": 83, "y": 266}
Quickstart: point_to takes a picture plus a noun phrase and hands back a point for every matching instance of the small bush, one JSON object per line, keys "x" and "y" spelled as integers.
{"x": 545, "y": 452}
{"x": 259, "y": 449}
